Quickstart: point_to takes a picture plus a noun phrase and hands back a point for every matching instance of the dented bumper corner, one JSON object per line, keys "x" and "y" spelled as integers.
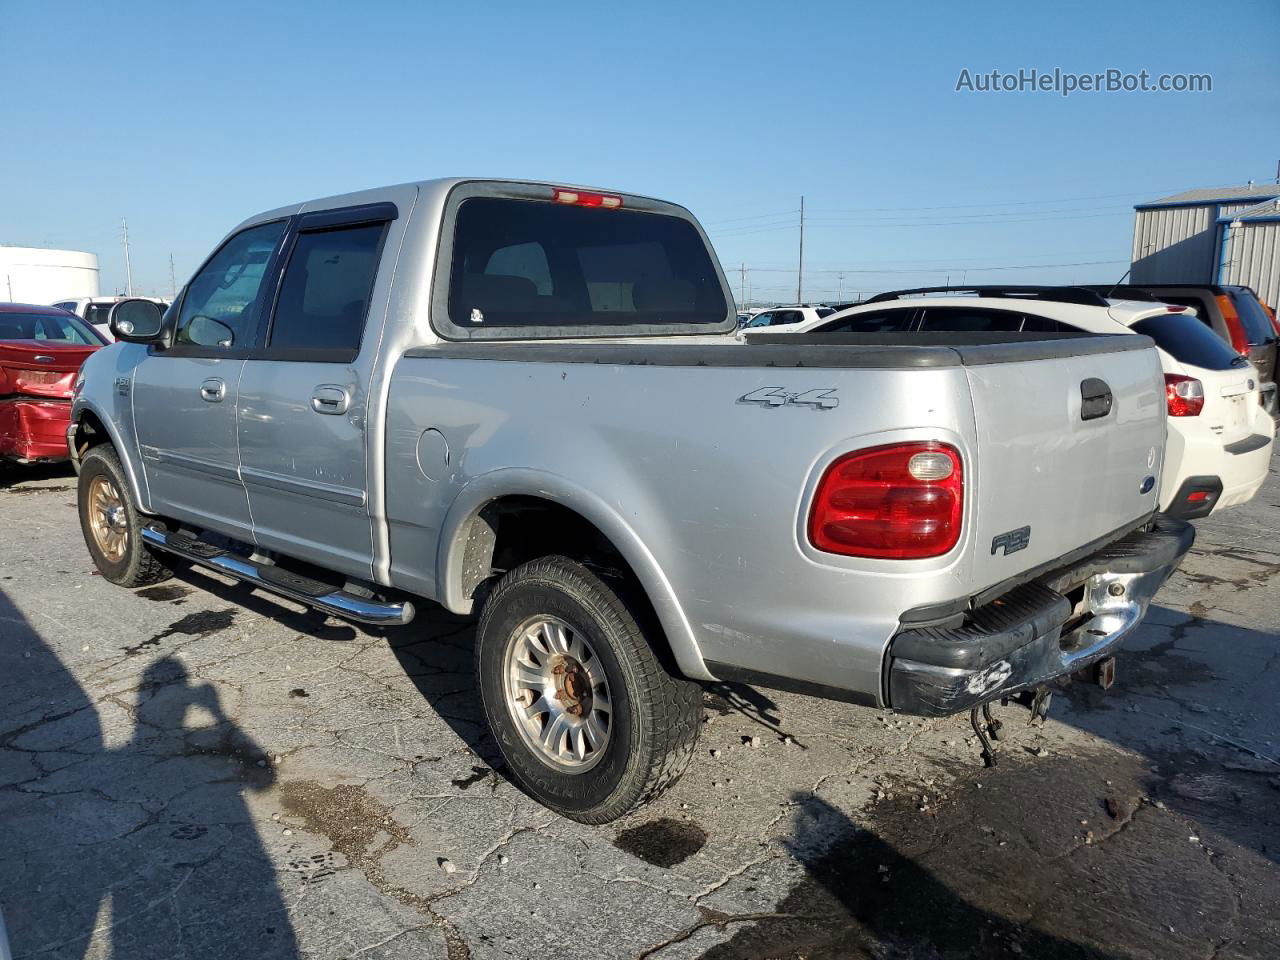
{"x": 1041, "y": 630}
{"x": 33, "y": 430}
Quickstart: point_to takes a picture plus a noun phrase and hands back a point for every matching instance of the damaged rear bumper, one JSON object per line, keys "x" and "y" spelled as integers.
{"x": 33, "y": 430}
{"x": 1047, "y": 628}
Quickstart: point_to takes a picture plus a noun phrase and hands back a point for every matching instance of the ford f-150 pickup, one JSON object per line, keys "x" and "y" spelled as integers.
{"x": 527, "y": 402}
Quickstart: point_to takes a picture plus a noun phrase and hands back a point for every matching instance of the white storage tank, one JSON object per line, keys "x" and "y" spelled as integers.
{"x": 37, "y": 275}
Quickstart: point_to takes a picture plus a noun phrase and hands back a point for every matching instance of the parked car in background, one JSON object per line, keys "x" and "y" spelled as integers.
{"x": 41, "y": 349}
{"x": 528, "y": 402}
{"x": 783, "y": 316}
{"x": 1234, "y": 313}
{"x": 95, "y": 310}
{"x": 1220, "y": 437}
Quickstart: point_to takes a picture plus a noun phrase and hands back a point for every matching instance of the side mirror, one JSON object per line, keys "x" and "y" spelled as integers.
{"x": 137, "y": 321}
{"x": 209, "y": 332}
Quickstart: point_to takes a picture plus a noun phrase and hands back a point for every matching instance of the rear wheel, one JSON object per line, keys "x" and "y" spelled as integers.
{"x": 589, "y": 721}
{"x": 111, "y": 524}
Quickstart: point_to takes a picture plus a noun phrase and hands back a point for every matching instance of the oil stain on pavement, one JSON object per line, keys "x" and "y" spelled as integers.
{"x": 663, "y": 843}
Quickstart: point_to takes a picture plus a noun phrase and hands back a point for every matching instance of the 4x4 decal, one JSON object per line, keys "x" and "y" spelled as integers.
{"x": 822, "y": 399}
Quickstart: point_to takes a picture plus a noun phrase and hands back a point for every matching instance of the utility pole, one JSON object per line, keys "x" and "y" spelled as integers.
{"x": 840, "y": 294}
{"x": 800, "y": 267}
{"x": 742, "y": 287}
{"x": 128, "y": 267}
{"x": 173, "y": 283}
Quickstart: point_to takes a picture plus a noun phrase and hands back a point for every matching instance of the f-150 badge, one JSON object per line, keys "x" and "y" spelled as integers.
{"x": 1011, "y": 541}
{"x": 821, "y": 399}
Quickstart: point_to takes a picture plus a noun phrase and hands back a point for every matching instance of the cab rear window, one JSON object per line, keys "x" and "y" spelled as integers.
{"x": 1189, "y": 341}
{"x": 522, "y": 263}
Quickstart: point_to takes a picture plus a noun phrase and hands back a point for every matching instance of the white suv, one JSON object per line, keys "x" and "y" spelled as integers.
{"x": 1220, "y": 436}
{"x": 787, "y": 316}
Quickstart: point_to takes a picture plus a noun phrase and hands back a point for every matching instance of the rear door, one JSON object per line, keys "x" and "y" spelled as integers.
{"x": 184, "y": 397}
{"x": 1054, "y": 471}
{"x": 1230, "y": 390}
{"x": 304, "y": 396}
{"x": 1258, "y": 329}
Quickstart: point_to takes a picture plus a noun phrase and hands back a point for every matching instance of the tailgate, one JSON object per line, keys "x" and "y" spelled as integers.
{"x": 1050, "y": 462}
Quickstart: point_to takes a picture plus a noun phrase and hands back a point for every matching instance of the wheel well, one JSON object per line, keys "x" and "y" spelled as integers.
{"x": 513, "y": 530}
{"x": 90, "y": 432}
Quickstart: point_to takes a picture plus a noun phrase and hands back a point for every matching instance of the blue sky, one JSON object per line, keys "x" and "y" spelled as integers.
{"x": 186, "y": 118}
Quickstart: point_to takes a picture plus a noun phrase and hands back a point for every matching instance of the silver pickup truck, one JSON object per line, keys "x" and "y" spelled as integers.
{"x": 527, "y": 402}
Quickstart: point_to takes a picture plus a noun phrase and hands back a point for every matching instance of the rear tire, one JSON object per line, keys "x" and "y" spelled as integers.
{"x": 111, "y": 524}
{"x": 614, "y": 729}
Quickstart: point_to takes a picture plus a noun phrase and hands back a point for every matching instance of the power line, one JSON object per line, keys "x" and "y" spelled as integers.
{"x": 1005, "y": 203}
{"x": 758, "y": 216}
{"x": 731, "y": 233}
{"x": 940, "y": 269}
{"x": 981, "y": 216}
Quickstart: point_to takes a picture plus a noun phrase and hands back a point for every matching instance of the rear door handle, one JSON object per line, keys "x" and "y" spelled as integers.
{"x": 331, "y": 399}
{"x": 1095, "y": 399}
{"x": 213, "y": 390}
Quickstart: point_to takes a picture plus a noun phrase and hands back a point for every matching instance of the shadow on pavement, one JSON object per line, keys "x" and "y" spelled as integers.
{"x": 86, "y": 860}
{"x": 14, "y": 474}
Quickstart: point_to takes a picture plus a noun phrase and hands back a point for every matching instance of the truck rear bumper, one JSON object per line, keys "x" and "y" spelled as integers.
{"x": 1041, "y": 630}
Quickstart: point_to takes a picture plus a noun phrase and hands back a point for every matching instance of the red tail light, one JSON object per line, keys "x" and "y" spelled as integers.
{"x": 36, "y": 383}
{"x": 903, "y": 501}
{"x": 581, "y": 198}
{"x": 1185, "y": 395}
{"x": 1239, "y": 339}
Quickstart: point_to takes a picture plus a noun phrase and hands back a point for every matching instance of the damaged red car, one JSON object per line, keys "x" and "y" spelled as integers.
{"x": 41, "y": 349}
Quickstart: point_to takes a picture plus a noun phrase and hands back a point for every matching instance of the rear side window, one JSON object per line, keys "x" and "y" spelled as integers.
{"x": 966, "y": 320}
{"x": 880, "y": 321}
{"x": 324, "y": 296}
{"x": 98, "y": 313}
{"x": 1189, "y": 341}
{"x": 1257, "y": 325}
{"x": 521, "y": 263}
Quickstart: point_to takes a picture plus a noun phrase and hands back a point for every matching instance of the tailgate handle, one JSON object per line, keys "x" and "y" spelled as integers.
{"x": 1095, "y": 399}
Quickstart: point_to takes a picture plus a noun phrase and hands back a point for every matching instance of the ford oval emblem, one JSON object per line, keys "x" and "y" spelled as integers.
{"x": 1147, "y": 484}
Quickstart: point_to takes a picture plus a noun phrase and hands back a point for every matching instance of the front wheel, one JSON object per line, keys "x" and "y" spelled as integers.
{"x": 589, "y": 721}
{"x": 111, "y": 524}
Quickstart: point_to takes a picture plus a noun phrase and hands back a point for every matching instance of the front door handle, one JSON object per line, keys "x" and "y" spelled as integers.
{"x": 330, "y": 399}
{"x": 213, "y": 390}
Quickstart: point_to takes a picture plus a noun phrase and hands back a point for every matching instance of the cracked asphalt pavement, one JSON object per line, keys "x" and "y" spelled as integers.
{"x": 197, "y": 770}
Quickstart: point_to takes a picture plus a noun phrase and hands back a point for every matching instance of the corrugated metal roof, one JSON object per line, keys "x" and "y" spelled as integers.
{"x": 1206, "y": 195}
{"x": 1267, "y": 210}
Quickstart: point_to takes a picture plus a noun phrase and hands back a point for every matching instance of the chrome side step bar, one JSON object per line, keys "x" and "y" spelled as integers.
{"x": 312, "y": 593}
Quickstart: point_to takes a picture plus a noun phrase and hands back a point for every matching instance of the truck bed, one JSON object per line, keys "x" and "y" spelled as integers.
{"x": 666, "y": 444}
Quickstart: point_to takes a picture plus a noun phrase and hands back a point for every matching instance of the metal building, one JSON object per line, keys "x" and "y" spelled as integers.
{"x": 37, "y": 275}
{"x": 1193, "y": 237}
{"x": 1251, "y": 249}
